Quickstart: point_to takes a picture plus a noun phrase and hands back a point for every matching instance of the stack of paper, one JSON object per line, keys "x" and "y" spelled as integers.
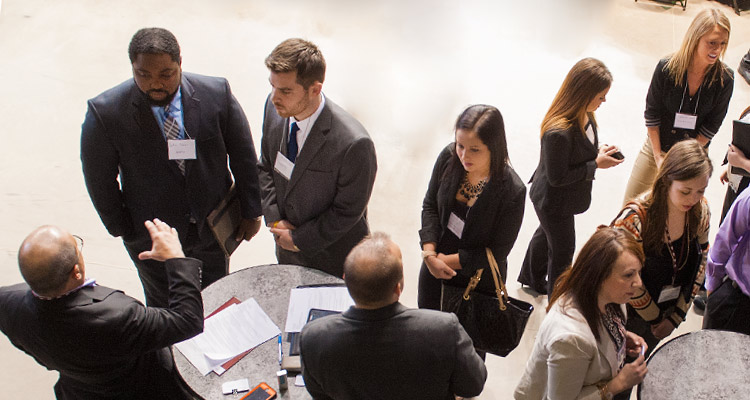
{"x": 302, "y": 299}
{"x": 232, "y": 331}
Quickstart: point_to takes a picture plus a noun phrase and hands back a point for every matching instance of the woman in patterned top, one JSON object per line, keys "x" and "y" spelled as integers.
{"x": 671, "y": 221}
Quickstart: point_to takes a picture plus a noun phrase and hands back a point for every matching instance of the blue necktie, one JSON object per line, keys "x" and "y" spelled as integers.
{"x": 291, "y": 147}
{"x": 172, "y": 132}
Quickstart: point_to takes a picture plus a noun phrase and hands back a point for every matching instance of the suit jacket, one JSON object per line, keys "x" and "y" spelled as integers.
{"x": 390, "y": 353}
{"x": 562, "y": 181}
{"x": 120, "y": 136}
{"x": 493, "y": 221}
{"x": 105, "y": 344}
{"x": 330, "y": 186}
{"x": 567, "y": 362}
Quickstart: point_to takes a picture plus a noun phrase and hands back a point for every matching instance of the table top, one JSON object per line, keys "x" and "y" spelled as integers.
{"x": 706, "y": 364}
{"x": 270, "y": 285}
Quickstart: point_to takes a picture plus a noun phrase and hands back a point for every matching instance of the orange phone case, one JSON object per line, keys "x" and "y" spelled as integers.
{"x": 260, "y": 392}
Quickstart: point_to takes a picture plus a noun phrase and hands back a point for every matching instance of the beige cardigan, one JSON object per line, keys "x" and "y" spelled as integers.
{"x": 567, "y": 362}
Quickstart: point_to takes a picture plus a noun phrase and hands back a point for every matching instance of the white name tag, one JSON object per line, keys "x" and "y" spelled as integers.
{"x": 181, "y": 149}
{"x": 283, "y": 166}
{"x": 668, "y": 293}
{"x": 685, "y": 121}
{"x": 456, "y": 225}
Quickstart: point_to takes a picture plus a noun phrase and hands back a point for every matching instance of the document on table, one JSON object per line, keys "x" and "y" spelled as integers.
{"x": 302, "y": 299}
{"x": 234, "y": 330}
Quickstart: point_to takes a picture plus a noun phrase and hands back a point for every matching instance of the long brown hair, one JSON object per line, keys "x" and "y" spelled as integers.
{"x": 685, "y": 160}
{"x": 585, "y": 80}
{"x": 703, "y": 24}
{"x": 582, "y": 282}
{"x": 488, "y": 124}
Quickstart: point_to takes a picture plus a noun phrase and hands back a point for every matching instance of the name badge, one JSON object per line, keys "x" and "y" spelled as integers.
{"x": 668, "y": 293}
{"x": 181, "y": 149}
{"x": 283, "y": 166}
{"x": 456, "y": 225}
{"x": 685, "y": 121}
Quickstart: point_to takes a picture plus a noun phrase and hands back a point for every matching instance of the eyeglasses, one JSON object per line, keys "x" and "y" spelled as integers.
{"x": 79, "y": 242}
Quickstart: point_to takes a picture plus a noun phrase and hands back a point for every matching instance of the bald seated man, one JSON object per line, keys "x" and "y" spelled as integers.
{"x": 104, "y": 344}
{"x": 379, "y": 349}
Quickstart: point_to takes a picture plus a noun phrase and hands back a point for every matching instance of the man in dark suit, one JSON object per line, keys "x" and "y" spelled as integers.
{"x": 167, "y": 135}
{"x": 317, "y": 164}
{"x": 104, "y": 344}
{"x": 379, "y": 349}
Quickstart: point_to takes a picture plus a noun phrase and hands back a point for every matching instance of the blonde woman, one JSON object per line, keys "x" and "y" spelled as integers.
{"x": 688, "y": 97}
{"x": 561, "y": 185}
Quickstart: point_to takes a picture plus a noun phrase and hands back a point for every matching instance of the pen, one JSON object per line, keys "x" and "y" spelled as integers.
{"x": 280, "y": 353}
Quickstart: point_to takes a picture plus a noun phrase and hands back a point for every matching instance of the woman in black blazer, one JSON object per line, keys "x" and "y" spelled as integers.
{"x": 561, "y": 184}
{"x": 475, "y": 200}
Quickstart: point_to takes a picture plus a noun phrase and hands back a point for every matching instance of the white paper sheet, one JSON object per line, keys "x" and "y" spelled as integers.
{"x": 236, "y": 329}
{"x": 335, "y": 298}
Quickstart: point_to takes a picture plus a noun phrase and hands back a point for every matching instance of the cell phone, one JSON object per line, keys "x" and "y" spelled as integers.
{"x": 260, "y": 392}
{"x": 618, "y": 155}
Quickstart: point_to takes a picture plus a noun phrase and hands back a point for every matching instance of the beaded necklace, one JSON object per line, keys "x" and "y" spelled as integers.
{"x": 470, "y": 191}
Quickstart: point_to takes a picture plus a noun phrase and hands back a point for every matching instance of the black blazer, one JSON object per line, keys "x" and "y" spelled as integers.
{"x": 120, "y": 136}
{"x": 390, "y": 353}
{"x": 493, "y": 221}
{"x": 105, "y": 344}
{"x": 562, "y": 181}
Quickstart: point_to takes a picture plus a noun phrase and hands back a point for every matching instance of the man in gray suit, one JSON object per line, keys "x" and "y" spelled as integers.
{"x": 379, "y": 349}
{"x": 317, "y": 165}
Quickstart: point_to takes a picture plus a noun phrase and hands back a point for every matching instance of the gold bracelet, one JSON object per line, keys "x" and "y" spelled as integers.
{"x": 604, "y": 391}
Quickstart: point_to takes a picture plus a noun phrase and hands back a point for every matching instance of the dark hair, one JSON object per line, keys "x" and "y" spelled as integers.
{"x": 51, "y": 275}
{"x": 154, "y": 41}
{"x": 372, "y": 271}
{"x": 487, "y": 122}
{"x": 583, "y": 281}
{"x": 301, "y": 56}
{"x": 685, "y": 160}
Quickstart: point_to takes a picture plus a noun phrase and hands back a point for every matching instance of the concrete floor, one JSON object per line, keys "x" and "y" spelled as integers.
{"x": 405, "y": 69}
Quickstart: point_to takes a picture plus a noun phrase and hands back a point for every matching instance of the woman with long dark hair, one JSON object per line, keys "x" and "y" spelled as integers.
{"x": 475, "y": 200}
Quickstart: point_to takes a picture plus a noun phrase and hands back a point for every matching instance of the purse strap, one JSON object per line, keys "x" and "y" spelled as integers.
{"x": 500, "y": 290}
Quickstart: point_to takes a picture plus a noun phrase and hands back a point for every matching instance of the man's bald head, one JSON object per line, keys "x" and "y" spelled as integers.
{"x": 373, "y": 271}
{"x": 46, "y": 258}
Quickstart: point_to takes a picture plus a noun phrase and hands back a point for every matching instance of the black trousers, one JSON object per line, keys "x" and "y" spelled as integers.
{"x": 550, "y": 251}
{"x": 154, "y": 277}
{"x": 728, "y": 309}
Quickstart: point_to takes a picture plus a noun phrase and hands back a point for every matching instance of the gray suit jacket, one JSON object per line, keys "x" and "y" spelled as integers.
{"x": 105, "y": 344}
{"x": 327, "y": 195}
{"x": 390, "y": 353}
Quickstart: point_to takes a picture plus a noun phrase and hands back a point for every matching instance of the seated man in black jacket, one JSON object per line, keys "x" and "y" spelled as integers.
{"x": 379, "y": 349}
{"x": 106, "y": 345}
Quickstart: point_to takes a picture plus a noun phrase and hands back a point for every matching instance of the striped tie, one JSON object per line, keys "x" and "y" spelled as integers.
{"x": 172, "y": 131}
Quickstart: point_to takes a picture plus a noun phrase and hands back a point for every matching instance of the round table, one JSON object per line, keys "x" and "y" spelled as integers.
{"x": 707, "y": 364}
{"x": 270, "y": 286}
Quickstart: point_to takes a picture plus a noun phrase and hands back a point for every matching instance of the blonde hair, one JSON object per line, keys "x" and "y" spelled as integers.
{"x": 586, "y": 79}
{"x": 703, "y": 24}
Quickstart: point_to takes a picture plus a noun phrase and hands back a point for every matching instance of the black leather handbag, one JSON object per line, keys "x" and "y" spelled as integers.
{"x": 495, "y": 322}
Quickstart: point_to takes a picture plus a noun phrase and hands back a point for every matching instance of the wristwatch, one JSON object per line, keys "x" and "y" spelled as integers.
{"x": 428, "y": 253}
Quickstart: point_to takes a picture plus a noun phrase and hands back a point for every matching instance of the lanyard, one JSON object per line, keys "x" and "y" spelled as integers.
{"x": 684, "y": 92}
{"x": 683, "y": 251}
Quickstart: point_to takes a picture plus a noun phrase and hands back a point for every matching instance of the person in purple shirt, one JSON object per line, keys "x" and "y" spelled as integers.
{"x": 728, "y": 271}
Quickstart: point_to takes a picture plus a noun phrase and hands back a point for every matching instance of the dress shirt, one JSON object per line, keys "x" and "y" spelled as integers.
{"x": 730, "y": 253}
{"x": 306, "y": 124}
{"x": 175, "y": 108}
